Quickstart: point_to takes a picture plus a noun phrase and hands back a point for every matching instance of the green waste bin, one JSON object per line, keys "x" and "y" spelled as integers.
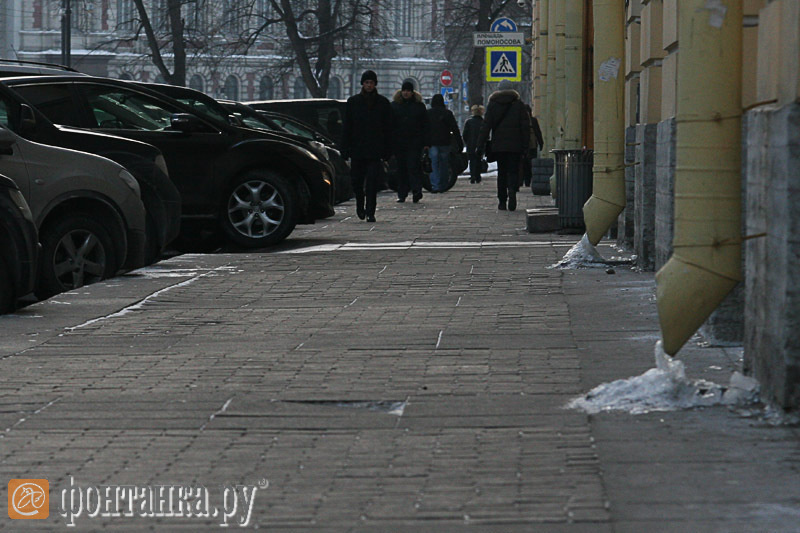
{"x": 573, "y": 185}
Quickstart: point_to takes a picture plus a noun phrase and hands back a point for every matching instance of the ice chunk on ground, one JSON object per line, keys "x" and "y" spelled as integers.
{"x": 582, "y": 255}
{"x": 664, "y": 388}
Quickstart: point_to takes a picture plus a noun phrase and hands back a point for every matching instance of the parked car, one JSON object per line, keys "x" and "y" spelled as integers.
{"x": 159, "y": 195}
{"x": 296, "y": 129}
{"x": 87, "y": 209}
{"x": 323, "y": 114}
{"x": 255, "y": 188}
{"x": 13, "y": 67}
{"x": 19, "y": 246}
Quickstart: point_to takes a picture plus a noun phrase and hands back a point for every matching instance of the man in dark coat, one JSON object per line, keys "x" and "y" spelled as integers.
{"x": 510, "y": 125}
{"x": 444, "y": 131}
{"x": 366, "y": 140}
{"x": 535, "y": 145}
{"x": 472, "y": 129}
{"x": 411, "y": 135}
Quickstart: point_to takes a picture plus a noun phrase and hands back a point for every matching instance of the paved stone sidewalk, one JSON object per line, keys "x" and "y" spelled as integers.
{"x": 406, "y": 375}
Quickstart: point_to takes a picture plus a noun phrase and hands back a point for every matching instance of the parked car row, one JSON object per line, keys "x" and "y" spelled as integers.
{"x": 112, "y": 172}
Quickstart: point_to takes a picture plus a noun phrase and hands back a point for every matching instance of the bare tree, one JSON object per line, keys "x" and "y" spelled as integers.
{"x": 175, "y": 42}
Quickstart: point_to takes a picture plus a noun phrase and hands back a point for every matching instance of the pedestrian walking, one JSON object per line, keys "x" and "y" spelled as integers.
{"x": 366, "y": 141}
{"x": 536, "y": 141}
{"x": 509, "y": 124}
{"x": 472, "y": 129}
{"x": 411, "y": 135}
{"x": 444, "y": 134}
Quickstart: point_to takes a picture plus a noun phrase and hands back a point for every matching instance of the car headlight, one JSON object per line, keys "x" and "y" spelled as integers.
{"x": 20, "y": 202}
{"x": 161, "y": 164}
{"x": 130, "y": 181}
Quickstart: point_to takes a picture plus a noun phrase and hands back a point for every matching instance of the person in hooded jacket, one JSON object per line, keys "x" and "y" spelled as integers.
{"x": 472, "y": 128}
{"x": 535, "y": 145}
{"x": 366, "y": 140}
{"x": 444, "y": 131}
{"x": 510, "y": 126}
{"x": 411, "y": 136}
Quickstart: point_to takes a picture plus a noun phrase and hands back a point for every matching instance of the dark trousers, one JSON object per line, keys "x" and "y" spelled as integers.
{"x": 474, "y": 167}
{"x": 527, "y": 170}
{"x": 365, "y": 175}
{"x": 507, "y": 174}
{"x": 409, "y": 172}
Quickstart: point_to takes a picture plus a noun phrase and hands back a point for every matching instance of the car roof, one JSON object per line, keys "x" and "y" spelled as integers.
{"x": 307, "y": 101}
{"x": 14, "y": 67}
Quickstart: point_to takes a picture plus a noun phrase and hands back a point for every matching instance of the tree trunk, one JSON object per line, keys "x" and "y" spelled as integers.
{"x": 178, "y": 76}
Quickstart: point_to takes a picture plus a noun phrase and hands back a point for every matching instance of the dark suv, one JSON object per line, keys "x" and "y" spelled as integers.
{"x": 19, "y": 246}
{"x": 160, "y": 197}
{"x": 323, "y": 114}
{"x": 255, "y": 189}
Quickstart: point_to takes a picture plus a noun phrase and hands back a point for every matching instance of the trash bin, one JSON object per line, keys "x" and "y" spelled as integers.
{"x": 573, "y": 185}
{"x": 542, "y": 169}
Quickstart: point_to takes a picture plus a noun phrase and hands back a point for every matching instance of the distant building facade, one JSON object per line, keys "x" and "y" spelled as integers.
{"x": 411, "y": 46}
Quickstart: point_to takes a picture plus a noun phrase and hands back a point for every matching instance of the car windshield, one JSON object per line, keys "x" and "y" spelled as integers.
{"x": 293, "y": 127}
{"x": 252, "y": 119}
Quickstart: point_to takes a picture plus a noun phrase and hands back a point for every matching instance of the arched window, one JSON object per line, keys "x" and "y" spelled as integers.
{"x": 125, "y": 76}
{"x": 335, "y": 88}
{"x": 196, "y": 83}
{"x": 299, "y": 88}
{"x": 266, "y": 90}
{"x": 159, "y": 79}
{"x": 231, "y": 88}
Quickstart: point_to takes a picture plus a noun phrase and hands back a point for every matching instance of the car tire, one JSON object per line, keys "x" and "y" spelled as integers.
{"x": 7, "y": 299}
{"x": 77, "y": 250}
{"x": 260, "y": 209}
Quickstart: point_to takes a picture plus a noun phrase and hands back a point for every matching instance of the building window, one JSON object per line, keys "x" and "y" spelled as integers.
{"x": 233, "y": 21}
{"x": 126, "y": 15}
{"x": 300, "y": 90}
{"x": 196, "y": 83}
{"x": 125, "y": 76}
{"x": 335, "y": 88}
{"x": 266, "y": 89}
{"x": 231, "y": 89}
{"x": 159, "y": 15}
{"x": 196, "y": 17}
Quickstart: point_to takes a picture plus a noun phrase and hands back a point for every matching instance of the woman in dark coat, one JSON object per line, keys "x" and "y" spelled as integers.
{"x": 472, "y": 129}
{"x": 510, "y": 126}
{"x": 444, "y": 130}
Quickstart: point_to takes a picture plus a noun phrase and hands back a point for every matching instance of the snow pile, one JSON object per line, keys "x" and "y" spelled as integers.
{"x": 665, "y": 388}
{"x": 582, "y": 255}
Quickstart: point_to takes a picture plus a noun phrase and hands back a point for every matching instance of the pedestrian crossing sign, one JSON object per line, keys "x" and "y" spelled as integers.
{"x": 504, "y": 63}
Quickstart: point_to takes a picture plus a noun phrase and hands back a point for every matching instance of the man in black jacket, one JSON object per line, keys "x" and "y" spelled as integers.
{"x": 510, "y": 125}
{"x": 366, "y": 141}
{"x": 444, "y": 133}
{"x": 411, "y": 135}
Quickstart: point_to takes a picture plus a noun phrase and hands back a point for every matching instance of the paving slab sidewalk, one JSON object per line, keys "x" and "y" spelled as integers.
{"x": 406, "y": 375}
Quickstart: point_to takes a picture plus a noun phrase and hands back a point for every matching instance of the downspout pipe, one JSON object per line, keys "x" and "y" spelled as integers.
{"x": 608, "y": 183}
{"x": 706, "y": 262}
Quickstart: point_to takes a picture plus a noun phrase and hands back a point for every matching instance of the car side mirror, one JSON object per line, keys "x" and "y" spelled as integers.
{"x": 7, "y": 141}
{"x": 27, "y": 120}
{"x": 185, "y": 122}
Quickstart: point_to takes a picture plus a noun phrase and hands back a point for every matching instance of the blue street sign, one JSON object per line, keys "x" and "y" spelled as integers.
{"x": 503, "y": 24}
{"x": 464, "y": 92}
{"x": 503, "y": 63}
{"x": 447, "y": 90}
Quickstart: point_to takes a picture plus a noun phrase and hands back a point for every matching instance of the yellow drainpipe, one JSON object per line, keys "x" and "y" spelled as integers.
{"x": 551, "y": 75}
{"x": 706, "y": 262}
{"x": 540, "y": 65}
{"x": 608, "y": 185}
{"x": 561, "y": 73}
{"x": 573, "y": 67}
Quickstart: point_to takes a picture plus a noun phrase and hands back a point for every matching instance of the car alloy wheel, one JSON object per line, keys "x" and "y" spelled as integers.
{"x": 80, "y": 259}
{"x": 260, "y": 209}
{"x": 76, "y": 250}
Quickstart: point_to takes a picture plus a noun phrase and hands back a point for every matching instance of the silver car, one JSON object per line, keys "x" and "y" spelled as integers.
{"x": 88, "y": 211}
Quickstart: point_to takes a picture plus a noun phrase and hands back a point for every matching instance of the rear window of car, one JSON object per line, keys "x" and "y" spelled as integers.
{"x": 53, "y": 101}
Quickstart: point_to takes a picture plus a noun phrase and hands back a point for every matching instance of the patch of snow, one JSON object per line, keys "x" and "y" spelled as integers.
{"x": 665, "y": 388}
{"x": 582, "y": 255}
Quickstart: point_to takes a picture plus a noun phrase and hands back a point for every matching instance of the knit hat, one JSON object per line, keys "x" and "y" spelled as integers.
{"x": 437, "y": 100}
{"x": 369, "y": 75}
{"x": 477, "y": 110}
{"x": 407, "y": 86}
{"x": 505, "y": 85}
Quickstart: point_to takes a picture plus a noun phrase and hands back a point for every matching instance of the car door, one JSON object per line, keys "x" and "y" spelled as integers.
{"x": 12, "y": 162}
{"x": 191, "y": 156}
